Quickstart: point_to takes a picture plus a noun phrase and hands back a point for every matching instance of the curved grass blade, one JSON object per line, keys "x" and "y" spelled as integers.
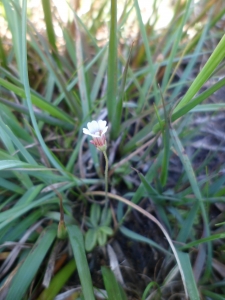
{"x": 77, "y": 244}
{"x": 31, "y": 264}
{"x": 153, "y": 219}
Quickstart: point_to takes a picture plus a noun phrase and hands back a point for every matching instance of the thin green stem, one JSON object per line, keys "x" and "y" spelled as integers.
{"x": 106, "y": 176}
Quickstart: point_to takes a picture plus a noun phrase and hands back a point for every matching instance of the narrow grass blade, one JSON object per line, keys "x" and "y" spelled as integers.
{"x": 187, "y": 225}
{"x": 192, "y": 179}
{"x": 119, "y": 105}
{"x": 112, "y": 64}
{"x": 177, "y": 41}
{"x": 114, "y": 290}
{"x": 142, "y": 239}
{"x": 14, "y": 21}
{"x": 150, "y": 78}
{"x": 10, "y": 164}
{"x": 158, "y": 203}
{"x": 48, "y": 153}
{"x": 185, "y": 105}
{"x": 204, "y": 240}
{"x": 10, "y": 186}
{"x": 49, "y": 27}
{"x": 99, "y": 78}
{"x": 191, "y": 64}
{"x": 31, "y": 265}
{"x": 3, "y": 55}
{"x": 77, "y": 244}
{"x": 210, "y": 66}
{"x": 58, "y": 282}
{"x": 85, "y": 100}
{"x": 212, "y": 295}
{"x": 38, "y": 101}
{"x": 189, "y": 276}
{"x": 30, "y": 195}
{"x": 38, "y": 114}
{"x": 17, "y": 143}
{"x": 166, "y": 143}
{"x": 189, "y": 172}
{"x": 153, "y": 219}
{"x": 197, "y": 100}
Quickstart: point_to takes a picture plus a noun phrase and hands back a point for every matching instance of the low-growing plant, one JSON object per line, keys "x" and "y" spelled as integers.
{"x": 137, "y": 211}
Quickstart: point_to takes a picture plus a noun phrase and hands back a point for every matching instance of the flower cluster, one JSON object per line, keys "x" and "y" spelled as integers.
{"x": 97, "y": 130}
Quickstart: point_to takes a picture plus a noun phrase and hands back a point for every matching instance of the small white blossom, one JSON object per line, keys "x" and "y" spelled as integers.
{"x": 97, "y": 130}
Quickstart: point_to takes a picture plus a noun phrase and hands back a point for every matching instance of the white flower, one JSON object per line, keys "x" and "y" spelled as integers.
{"x": 97, "y": 130}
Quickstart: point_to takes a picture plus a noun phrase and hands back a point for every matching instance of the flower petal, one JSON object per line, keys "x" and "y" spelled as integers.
{"x": 93, "y": 126}
{"x": 86, "y": 131}
{"x": 101, "y": 124}
{"x": 104, "y": 130}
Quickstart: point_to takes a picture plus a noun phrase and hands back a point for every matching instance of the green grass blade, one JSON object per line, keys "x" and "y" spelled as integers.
{"x": 210, "y": 66}
{"x": 197, "y": 100}
{"x": 187, "y": 226}
{"x": 77, "y": 244}
{"x": 3, "y": 57}
{"x": 38, "y": 101}
{"x": 31, "y": 265}
{"x": 82, "y": 82}
{"x": 112, "y": 64}
{"x": 17, "y": 143}
{"x": 210, "y": 238}
{"x": 10, "y": 186}
{"x": 39, "y": 116}
{"x": 189, "y": 276}
{"x": 150, "y": 78}
{"x": 48, "y": 153}
{"x": 14, "y": 21}
{"x": 119, "y": 105}
{"x": 212, "y": 295}
{"x": 114, "y": 291}
{"x": 58, "y": 281}
{"x": 177, "y": 41}
{"x": 192, "y": 179}
{"x": 142, "y": 239}
{"x": 166, "y": 150}
{"x": 49, "y": 27}
{"x": 208, "y": 69}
